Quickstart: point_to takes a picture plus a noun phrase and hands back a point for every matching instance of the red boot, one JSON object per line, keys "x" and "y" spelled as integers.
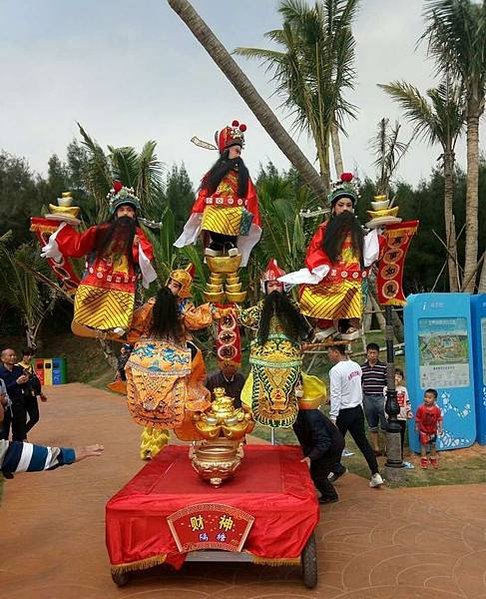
{"x": 424, "y": 463}
{"x": 434, "y": 462}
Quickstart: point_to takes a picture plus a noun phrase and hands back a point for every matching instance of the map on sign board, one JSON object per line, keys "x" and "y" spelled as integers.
{"x": 443, "y": 353}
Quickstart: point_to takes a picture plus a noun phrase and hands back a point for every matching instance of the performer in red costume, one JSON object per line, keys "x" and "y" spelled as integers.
{"x": 117, "y": 252}
{"x": 226, "y": 207}
{"x": 337, "y": 261}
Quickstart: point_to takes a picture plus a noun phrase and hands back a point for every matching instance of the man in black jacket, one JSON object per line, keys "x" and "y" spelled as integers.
{"x": 322, "y": 444}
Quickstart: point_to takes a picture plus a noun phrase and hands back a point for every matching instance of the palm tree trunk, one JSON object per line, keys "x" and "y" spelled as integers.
{"x": 472, "y": 182}
{"x": 336, "y": 150}
{"x": 451, "y": 241}
{"x": 252, "y": 98}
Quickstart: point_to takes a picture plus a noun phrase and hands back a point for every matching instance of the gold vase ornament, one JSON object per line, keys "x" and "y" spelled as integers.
{"x": 224, "y": 428}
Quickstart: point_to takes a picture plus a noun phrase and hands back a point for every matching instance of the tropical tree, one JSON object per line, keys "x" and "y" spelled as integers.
{"x": 140, "y": 170}
{"x": 249, "y": 94}
{"x": 438, "y": 118}
{"x": 388, "y": 151}
{"x": 313, "y": 69}
{"x": 22, "y": 290}
{"x": 456, "y": 40}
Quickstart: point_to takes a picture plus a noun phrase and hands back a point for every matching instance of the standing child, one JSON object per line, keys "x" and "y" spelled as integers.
{"x": 405, "y": 408}
{"x": 428, "y": 424}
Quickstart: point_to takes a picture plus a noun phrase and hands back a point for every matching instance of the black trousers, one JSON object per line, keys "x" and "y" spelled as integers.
{"x": 321, "y": 468}
{"x": 15, "y": 418}
{"x": 32, "y": 409}
{"x": 352, "y": 420}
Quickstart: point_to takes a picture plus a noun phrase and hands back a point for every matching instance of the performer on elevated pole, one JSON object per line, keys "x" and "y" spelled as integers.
{"x": 275, "y": 354}
{"x": 117, "y": 253}
{"x": 337, "y": 261}
{"x": 226, "y": 207}
{"x": 166, "y": 371}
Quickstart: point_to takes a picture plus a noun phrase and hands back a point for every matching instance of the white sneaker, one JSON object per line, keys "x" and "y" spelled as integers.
{"x": 119, "y": 331}
{"x": 376, "y": 480}
{"x": 322, "y": 334}
{"x": 346, "y": 453}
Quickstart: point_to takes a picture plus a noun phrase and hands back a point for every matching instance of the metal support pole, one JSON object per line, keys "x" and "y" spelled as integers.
{"x": 272, "y": 436}
{"x": 394, "y": 462}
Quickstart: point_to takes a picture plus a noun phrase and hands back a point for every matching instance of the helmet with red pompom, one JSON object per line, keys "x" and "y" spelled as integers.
{"x": 345, "y": 187}
{"x": 119, "y": 195}
{"x": 232, "y": 135}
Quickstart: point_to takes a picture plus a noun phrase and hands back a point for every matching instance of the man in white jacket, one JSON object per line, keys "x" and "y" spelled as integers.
{"x": 346, "y": 398}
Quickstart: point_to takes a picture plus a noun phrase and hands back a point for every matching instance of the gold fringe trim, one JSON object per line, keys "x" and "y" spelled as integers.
{"x": 142, "y": 564}
{"x": 282, "y": 561}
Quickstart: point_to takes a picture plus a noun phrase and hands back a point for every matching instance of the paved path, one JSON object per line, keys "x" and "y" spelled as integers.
{"x": 427, "y": 543}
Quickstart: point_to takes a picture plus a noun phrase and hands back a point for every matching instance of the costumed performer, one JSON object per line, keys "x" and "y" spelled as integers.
{"x": 337, "y": 260}
{"x": 275, "y": 353}
{"x": 117, "y": 252}
{"x": 166, "y": 371}
{"x": 226, "y": 207}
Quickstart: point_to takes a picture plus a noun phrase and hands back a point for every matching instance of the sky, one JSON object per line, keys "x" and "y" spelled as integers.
{"x": 130, "y": 71}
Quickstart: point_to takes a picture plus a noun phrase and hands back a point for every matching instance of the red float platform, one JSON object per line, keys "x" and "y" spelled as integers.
{"x": 272, "y": 485}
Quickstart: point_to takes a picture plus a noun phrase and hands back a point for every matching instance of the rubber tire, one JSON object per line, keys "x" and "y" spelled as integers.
{"x": 308, "y": 560}
{"x": 120, "y": 578}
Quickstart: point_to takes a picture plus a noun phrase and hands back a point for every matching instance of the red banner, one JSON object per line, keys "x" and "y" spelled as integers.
{"x": 210, "y": 526}
{"x": 392, "y": 261}
{"x": 64, "y": 271}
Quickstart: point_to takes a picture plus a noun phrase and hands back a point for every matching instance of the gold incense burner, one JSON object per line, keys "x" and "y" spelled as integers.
{"x": 223, "y": 427}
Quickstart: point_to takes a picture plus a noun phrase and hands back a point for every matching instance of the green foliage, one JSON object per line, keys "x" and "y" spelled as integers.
{"x": 21, "y": 290}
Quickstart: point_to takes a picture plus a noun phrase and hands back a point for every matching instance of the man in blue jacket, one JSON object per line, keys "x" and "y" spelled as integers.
{"x": 322, "y": 444}
{"x": 16, "y": 383}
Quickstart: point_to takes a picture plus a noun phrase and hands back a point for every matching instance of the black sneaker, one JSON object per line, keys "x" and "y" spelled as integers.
{"x": 7, "y": 474}
{"x": 328, "y": 500}
{"x": 333, "y": 476}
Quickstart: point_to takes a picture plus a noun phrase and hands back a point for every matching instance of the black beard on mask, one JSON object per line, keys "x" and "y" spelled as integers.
{"x": 336, "y": 232}
{"x": 221, "y": 168}
{"x": 116, "y": 238}
{"x": 293, "y": 323}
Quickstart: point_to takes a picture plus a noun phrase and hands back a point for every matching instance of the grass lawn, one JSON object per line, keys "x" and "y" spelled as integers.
{"x": 456, "y": 467}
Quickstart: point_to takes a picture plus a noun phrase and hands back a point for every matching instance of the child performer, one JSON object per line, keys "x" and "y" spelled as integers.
{"x": 428, "y": 424}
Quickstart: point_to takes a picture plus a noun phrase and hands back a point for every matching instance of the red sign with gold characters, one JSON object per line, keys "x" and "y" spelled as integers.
{"x": 210, "y": 526}
{"x": 390, "y": 270}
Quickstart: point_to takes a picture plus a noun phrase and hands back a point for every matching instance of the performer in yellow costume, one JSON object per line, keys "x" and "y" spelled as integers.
{"x": 226, "y": 208}
{"x": 275, "y": 354}
{"x": 337, "y": 260}
{"x": 166, "y": 371}
{"x": 117, "y": 253}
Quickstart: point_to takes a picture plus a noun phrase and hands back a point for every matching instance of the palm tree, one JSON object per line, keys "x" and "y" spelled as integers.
{"x": 247, "y": 91}
{"x": 140, "y": 170}
{"x": 388, "y": 151}
{"x": 456, "y": 38}
{"x": 313, "y": 69}
{"x": 437, "y": 119}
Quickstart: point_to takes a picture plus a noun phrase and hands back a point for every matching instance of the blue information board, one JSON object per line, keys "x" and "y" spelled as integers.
{"x": 438, "y": 352}
{"x": 478, "y": 325}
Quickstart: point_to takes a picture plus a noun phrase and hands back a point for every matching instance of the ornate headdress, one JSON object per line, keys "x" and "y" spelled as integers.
{"x": 184, "y": 277}
{"x": 119, "y": 195}
{"x": 345, "y": 187}
{"x": 271, "y": 273}
{"x": 232, "y": 135}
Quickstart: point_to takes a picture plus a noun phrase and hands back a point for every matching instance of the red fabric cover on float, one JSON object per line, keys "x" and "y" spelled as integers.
{"x": 272, "y": 484}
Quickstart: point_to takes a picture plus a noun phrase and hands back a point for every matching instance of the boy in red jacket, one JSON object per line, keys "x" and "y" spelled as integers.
{"x": 428, "y": 424}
